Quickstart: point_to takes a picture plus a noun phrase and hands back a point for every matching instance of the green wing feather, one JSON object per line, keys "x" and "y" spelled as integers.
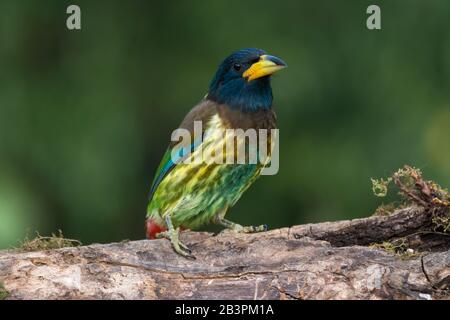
{"x": 201, "y": 112}
{"x": 160, "y": 172}
{"x": 192, "y": 194}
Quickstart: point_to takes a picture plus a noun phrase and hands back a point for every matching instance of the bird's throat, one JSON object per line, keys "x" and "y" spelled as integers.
{"x": 244, "y": 96}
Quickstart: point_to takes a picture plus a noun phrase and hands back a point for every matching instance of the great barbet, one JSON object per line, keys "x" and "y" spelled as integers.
{"x": 188, "y": 194}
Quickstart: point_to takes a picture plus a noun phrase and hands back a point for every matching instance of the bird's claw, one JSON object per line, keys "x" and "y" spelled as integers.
{"x": 181, "y": 249}
{"x": 178, "y": 246}
{"x": 241, "y": 229}
{"x": 184, "y": 247}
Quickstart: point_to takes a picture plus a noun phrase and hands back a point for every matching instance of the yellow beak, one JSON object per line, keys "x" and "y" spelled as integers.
{"x": 266, "y": 66}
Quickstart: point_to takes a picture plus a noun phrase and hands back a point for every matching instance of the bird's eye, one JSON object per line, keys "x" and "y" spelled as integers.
{"x": 237, "y": 66}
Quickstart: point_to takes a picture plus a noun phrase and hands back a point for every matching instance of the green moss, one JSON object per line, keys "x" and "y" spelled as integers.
{"x": 380, "y": 186}
{"x": 404, "y": 178}
{"x": 387, "y": 209}
{"x": 441, "y": 222}
{"x": 3, "y": 292}
{"x": 55, "y": 241}
{"x": 414, "y": 190}
{"x": 398, "y": 247}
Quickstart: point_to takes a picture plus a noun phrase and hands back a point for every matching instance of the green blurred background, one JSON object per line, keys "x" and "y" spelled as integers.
{"x": 86, "y": 115}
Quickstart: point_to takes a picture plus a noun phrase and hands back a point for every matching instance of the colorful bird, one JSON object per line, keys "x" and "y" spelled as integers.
{"x": 188, "y": 194}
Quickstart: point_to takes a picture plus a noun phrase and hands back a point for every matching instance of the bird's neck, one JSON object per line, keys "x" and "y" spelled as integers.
{"x": 244, "y": 96}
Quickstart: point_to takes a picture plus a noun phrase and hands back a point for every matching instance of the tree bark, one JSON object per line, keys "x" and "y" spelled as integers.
{"x": 332, "y": 260}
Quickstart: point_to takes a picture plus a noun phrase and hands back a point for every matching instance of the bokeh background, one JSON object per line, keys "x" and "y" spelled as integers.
{"x": 86, "y": 115}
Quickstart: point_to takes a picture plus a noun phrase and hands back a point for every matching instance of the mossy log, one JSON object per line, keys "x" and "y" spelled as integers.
{"x": 332, "y": 260}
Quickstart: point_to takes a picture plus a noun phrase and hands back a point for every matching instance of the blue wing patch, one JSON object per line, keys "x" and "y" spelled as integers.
{"x": 168, "y": 163}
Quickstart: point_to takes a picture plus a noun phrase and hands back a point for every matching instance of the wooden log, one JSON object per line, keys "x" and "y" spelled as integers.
{"x": 330, "y": 260}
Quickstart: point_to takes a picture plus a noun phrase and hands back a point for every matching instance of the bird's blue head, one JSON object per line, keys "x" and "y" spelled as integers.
{"x": 243, "y": 80}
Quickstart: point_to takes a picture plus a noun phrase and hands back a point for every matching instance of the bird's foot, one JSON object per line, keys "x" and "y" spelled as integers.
{"x": 173, "y": 234}
{"x": 178, "y": 246}
{"x": 242, "y": 229}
